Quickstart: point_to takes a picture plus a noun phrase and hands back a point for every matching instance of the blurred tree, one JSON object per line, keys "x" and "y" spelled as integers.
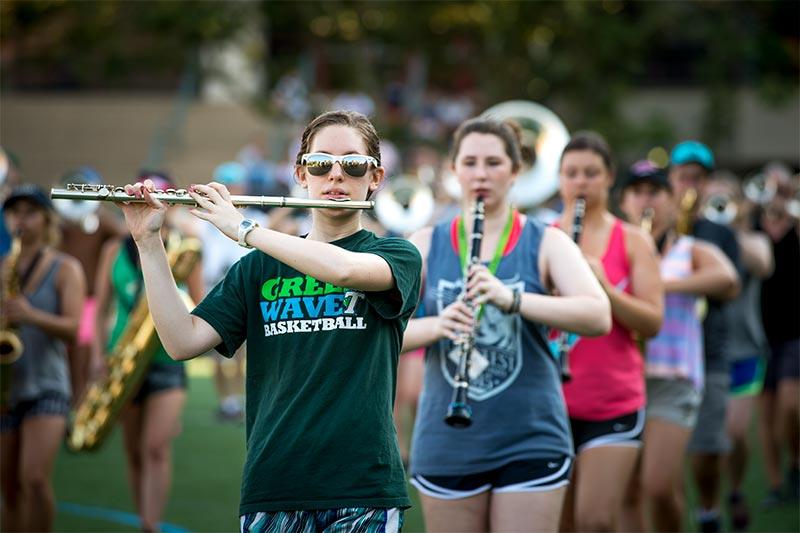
{"x": 59, "y": 44}
{"x": 583, "y": 58}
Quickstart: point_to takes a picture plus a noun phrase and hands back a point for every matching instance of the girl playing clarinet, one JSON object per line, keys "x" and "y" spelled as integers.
{"x": 508, "y": 469}
{"x": 606, "y": 395}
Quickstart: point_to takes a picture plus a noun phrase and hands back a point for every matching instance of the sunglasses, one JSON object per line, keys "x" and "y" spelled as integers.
{"x": 354, "y": 165}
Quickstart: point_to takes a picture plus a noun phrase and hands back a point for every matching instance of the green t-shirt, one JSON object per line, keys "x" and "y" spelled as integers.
{"x": 321, "y": 377}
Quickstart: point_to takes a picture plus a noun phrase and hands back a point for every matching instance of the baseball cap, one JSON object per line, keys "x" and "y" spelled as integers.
{"x": 230, "y": 173}
{"x": 30, "y": 192}
{"x": 86, "y": 175}
{"x": 161, "y": 180}
{"x": 692, "y": 152}
{"x": 644, "y": 171}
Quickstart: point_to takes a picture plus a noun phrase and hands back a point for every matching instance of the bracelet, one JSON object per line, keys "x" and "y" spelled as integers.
{"x": 516, "y": 301}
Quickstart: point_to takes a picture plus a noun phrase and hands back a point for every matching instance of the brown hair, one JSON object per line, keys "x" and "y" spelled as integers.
{"x": 593, "y": 142}
{"x": 507, "y": 131}
{"x": 352, "y": 119}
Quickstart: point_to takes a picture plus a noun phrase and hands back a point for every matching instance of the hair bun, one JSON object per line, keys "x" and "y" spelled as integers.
{"x": 526, "y": 151}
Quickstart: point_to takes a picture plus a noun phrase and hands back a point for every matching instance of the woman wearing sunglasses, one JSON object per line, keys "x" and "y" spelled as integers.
{"x": 323, "y": 318}
{"x": 507, "y": 471}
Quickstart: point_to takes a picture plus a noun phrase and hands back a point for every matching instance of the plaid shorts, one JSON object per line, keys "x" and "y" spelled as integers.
{"x": 345, "y": 520}
{"x": 49, "y": 403}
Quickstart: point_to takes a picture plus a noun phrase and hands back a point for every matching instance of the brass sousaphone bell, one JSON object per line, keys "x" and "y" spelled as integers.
{"x": 547, "y": 135}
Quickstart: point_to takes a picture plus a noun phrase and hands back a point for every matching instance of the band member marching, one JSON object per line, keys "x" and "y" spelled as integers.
{"x": 323, "y": 318}
{"x": 691, "y": 163}
{"x": 507, "y": 469}
{"x": 151, "y": 420}
{"x": 41, "y": 302}
{"x": 606, "y": 397}
{"x": 674, "y": 358}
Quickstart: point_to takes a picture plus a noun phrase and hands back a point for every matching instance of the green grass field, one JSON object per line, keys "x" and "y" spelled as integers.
{"x": 93, "y": 494}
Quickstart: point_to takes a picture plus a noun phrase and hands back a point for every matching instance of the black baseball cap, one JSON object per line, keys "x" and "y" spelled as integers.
{"x": 30, "y": 192}
{"x": 645, "y": 171}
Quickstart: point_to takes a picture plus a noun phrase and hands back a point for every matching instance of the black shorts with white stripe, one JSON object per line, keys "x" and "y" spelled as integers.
{"x": 625, "y": 430}
{"x": 530, "y": 475}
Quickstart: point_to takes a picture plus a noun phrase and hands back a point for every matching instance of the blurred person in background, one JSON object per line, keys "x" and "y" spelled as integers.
{"x": 606, "y": 396}
{"x": 151, "y": 419}
{"x": 690, "y": 269}
{"x": 508, "y": 470}
{"x": 291, "y": 97}
{"x": 45, "y": 312}
{"x": 85, "y": 228}
{"x": 219, "y": 253}
{"x": 748, "y": 348}
{"x": 9, "y": 178}
{"x": 780, "y": 310}
{"x": 691, "y": 163}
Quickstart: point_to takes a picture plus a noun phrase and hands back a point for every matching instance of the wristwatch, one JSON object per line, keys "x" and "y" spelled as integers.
{"x": 246, "y": 226}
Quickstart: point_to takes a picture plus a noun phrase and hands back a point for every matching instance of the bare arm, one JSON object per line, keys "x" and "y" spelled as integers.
{"x": 102, "y": 293}
{"x": 756, "y": 250}
{"x": 422, "y": 332}
{"x": 183, "y": 335}
{"x": 581, "y": 306}
{"x": 324, "y": 261}
{"x": 713, "y": 274}
{"x": 195, "y": 283}
{"x": 320, "y": 260}
{"x": 642, "y": 311}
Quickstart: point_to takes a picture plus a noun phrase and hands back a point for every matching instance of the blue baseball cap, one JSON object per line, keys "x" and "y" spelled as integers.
{"x": 230, "y": 173}
{"x": 692, "y": 152}
{"x": 86, "y": 175}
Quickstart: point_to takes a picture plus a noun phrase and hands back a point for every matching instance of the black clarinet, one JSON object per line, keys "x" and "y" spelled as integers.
{"x": 563, "y": 338}
{"x": 459, "y": 413}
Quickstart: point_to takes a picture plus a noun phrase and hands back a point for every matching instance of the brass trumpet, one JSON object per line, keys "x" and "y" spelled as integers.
{"x": 721, "y": 209}
{"x": 117, "y": 194}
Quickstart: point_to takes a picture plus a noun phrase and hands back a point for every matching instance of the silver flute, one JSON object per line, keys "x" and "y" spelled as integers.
{"x": 115, "y": 193}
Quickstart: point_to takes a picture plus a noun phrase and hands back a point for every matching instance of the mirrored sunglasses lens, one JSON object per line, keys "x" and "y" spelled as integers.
{"x": 355, "y": 166}
{"x": 318, "y": 165}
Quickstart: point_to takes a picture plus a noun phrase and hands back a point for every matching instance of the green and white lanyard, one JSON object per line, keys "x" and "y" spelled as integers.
{"x": 463, "y": 253}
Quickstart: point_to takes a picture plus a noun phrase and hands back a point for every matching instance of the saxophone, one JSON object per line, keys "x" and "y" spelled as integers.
{"x": 130, "y": 357}
{"x": 646, "y": 223}
{"x": 686, "y": 215}
{"x": 11, "y": 346}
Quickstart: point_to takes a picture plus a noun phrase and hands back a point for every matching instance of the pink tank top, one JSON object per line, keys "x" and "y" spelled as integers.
{"x": 607, "y": 372}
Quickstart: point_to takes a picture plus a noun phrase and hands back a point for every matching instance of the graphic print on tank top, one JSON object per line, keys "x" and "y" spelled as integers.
{"x": 497, "y": 356}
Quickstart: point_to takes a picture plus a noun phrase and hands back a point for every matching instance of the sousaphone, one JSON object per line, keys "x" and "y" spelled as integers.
{"x": 543, "y": 131}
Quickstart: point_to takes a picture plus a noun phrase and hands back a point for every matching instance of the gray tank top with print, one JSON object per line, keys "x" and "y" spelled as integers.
{"x": 43, "y": 365}
{"x": 518, "y": 407}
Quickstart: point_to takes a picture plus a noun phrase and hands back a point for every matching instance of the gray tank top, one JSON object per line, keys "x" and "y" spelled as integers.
{"x": 43, "y": 365}
{"x": 518, "y": 407}
{"x": 747, "y": 337}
